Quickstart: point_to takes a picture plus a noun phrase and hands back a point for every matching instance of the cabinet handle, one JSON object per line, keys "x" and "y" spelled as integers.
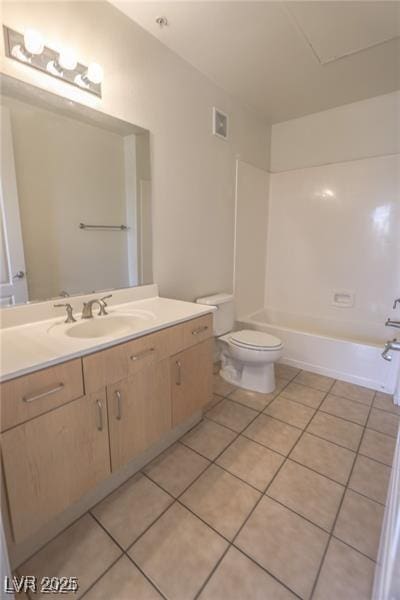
{"x": 142, "y": 354}
{"x": 199, "y": 330}
{"x": 99, "y": 415}
{"x": 178, "y": 372}
{"x": 43, "y": 394}
{"x": 118, "y": 396}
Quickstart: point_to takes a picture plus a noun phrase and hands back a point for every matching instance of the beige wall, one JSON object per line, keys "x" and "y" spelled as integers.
{"x": 68, "y": 172}
{"x": 193, "y": 173}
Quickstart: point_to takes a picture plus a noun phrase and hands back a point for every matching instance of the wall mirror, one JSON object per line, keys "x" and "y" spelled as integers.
{"x": 75, "y": 198}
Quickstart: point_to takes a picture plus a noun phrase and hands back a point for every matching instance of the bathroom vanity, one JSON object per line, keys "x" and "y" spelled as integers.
{"x": 103, "y": 402}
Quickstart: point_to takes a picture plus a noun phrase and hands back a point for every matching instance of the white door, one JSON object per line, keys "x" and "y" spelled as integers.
{"x": 13, "y": 286}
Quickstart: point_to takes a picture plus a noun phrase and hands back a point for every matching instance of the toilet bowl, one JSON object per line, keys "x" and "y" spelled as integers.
{"x": 247, "y": 356}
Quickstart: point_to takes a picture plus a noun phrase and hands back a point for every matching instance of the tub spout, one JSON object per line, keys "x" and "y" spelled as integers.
{"x": 390, "y": 323}
{"x": 389, "y": 346}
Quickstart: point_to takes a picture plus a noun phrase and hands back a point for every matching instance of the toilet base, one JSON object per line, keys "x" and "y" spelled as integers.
{"x": 257, "y": 378}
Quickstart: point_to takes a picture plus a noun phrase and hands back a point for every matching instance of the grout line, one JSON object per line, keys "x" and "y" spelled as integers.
{"x": 100, "y": 576}
{"x": 340, "y": 506}
{"x": 247, "y": 519}
{"x": 124, "y": 553}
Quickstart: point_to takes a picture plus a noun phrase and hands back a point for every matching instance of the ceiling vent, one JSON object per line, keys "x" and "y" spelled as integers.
{"x": 220, "y": 124}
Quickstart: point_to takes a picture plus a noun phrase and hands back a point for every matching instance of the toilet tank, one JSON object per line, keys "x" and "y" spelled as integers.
{"x": 224, "y": 317}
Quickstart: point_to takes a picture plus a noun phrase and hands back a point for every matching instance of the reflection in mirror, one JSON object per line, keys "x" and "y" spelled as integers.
{"x": 63, "y": 165}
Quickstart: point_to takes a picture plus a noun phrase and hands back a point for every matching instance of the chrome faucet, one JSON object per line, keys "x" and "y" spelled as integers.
{"x": 393, "y": 345}
{"x": 396, "y": 302}
{"x": 70, "y": 317}
{"x": 87, "y": 311}
{"x": 390, "y": 323}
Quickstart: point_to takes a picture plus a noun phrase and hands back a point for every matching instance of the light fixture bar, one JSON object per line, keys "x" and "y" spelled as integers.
{"x": 48, "y": 61}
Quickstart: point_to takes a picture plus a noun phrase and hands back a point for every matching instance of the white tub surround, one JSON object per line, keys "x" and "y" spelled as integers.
{"x": 31, "y": 340}
{"x": 327, "y": 347}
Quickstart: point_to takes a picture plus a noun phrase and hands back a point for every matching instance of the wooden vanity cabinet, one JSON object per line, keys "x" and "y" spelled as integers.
{"x": 59, "y": 444}
{"x": 53, "y": 460}
{"x": 191, "y": 377}
{"x": 139, "y": 409}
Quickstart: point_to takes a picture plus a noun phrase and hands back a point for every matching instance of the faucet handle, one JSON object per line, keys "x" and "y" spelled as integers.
{"x": 103, "y": 304}
{"x": 70, "y": 317}
{"x": 396, "y": 302}
{"x": 110, "y": 296}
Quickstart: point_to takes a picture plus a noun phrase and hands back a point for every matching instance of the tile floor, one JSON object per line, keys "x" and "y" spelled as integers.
{"x": 271, "y": 496}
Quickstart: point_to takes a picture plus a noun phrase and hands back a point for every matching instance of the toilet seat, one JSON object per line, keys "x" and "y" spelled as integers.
{"x": 255, "y": 340}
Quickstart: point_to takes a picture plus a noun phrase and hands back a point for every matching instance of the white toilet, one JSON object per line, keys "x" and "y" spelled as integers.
{"x": 247, "y": 356}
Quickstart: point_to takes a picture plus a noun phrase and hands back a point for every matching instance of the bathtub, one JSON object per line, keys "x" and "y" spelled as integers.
{"x": 349, "y": 351}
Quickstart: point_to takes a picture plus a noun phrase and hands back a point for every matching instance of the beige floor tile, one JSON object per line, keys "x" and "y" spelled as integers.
{"x": 287, "y": 545}
{"x": 359, "y": 523}
{"x": 256, "y": 400}
{"x": 324, "y": 457}
{"x": 303, "y": 394}
{"x": 123, "y": 581}
{"x": 345, "y": 409}
{"x": 251, "y": 462}
{"x": 285, "y": 371}
{"x": 378, "y": 446}
{"x": 84, "y": 550}
{"x": 383, "y": 421}
{"x": 178, "y": 553}
{"x": 274, "y": 434}
{"x": 232, "y": 415}
{"x": 314, "y": 380}
{"x": 291, "y": 412}
{"x": 345, "y": 574}
{"x": 239, "y": 578}
{"x": 336, "y": 430}
{"x": 222, "y": 387}
{"x": 215, "y": 400}
{"x": 128, "y": 511}
{"x": 353, "y": 392}
{"x": 209, "y": 438}
{"x": 221, "y": 500}
{"x": 385, "y": 402}
{"x": 370, "y": 478}
{"x": 308, "y": 494}
{"x": 176, "y": 468}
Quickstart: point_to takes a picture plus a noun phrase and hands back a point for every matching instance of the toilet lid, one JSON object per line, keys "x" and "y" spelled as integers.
{"x": 255, "y": 339}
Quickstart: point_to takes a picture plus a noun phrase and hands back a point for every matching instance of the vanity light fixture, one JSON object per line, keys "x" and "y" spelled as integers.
{"x": 31, "y": 50}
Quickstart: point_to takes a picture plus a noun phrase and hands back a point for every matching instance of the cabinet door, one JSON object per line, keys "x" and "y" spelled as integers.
{"x": 53, "y": 460}
{"x": 191, "y": 376}
{"x": 139, "y": 409}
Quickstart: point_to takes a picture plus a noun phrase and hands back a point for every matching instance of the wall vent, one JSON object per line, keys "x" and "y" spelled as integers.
{"x": 220, "y": 124}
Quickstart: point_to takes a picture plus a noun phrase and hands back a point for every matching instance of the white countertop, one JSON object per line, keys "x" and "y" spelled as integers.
{"x": 32, "y": 346}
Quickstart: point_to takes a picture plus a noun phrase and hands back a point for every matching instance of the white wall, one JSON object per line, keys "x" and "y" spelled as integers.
{"x": 336, "y": 226}
{"x": 68, "y": 172}
{"x": 193, "y": 173}
{"x": 250, "y": 243}
{"x": 358, "y": 130}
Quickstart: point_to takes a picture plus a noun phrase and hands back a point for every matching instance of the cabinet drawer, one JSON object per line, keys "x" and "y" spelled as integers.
{"x": 28, "y": 396}
{"x": 110, "y": 366}
{"x": 197, "y": 330}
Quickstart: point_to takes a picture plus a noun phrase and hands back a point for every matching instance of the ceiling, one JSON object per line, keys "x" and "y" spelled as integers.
{"x": 283, "y": 59}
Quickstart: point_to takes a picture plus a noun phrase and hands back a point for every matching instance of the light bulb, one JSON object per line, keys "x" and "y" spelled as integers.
{"x": 33, "y": 41}
{"x": 95, "y": 73}
{"x": 67, "y": 59}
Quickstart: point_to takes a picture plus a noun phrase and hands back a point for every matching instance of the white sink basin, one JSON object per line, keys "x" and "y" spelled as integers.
{"x": 103, "y": 327}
